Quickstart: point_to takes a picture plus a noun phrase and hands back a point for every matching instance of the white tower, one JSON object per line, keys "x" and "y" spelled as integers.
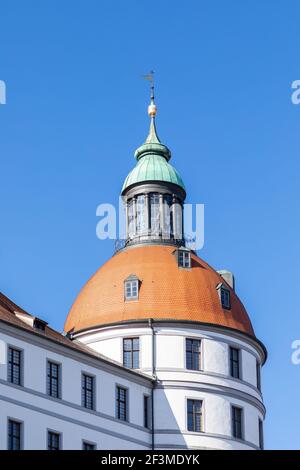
{"x": 157, "y": 307}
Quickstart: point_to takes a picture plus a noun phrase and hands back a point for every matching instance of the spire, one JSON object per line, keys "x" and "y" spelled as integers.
{"x": 152, "y": 146}
{"x": 152, "y": 110}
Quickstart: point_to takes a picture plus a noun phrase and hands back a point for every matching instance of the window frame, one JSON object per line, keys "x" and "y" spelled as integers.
{"x": 227, "y": 305}
{"x": 84, "y": 390}
{"x": 54, "y": 433}
{"x": 235, "y": 408}
{"x": 11, "y": 420}
{"x": 146, "y": 411}
{"x": 131, "y": 282}
{"x": 88, "y": 443}
{"x": 232, "y": 362}
{"x": 59, "y": 379}
{"x": 126, "y": 402}
{"x": 261, "y": 434}
{"x": 131, "y": 351}
{"x": 258, "y": 375}
{"x": 185, "y": 254}
{"x": 193, "y": 399}
{"x": 13, "y": 348}
{"x": 192, "y": 353}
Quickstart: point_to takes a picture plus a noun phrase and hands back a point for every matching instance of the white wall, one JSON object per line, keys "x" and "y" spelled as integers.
{"x": 212, "y": 384}
{"x": 30, "y": 404}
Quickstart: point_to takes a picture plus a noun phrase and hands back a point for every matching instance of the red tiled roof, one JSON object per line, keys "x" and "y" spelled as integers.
{"x": 166, "y": 292}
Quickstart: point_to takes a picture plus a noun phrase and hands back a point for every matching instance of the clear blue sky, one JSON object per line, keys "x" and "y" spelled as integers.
{"x": 76, "y": 111}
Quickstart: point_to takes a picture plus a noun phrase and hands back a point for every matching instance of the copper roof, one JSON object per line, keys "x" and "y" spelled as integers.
{"x": 166, "y": 292}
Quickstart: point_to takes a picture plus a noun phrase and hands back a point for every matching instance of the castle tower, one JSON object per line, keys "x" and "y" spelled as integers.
{"x": 155, "y": 306}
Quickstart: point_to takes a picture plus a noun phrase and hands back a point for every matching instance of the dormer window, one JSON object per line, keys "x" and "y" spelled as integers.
{"x": 225, "y": 298}
{"x": 39, "y": 324}
{"x": 224, "y": 294}
{"x": 131, "y": 287}
{"x": 184, "y": 258}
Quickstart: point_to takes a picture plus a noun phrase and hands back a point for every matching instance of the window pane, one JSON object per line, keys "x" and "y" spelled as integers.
{"x": 127, "y": 359}
{"x": 155, "y": 215}
{"x": 53, "y": 379}
{"x": 130, "y": 219}
{"x": 14, "y": 366}
{"x": 141, "y": 214}
{"x": 131, "y": 352}
{"x": 88, "y": 446}
{"x": 14, "y": 435}
{"x": 194, "y": 415}
{"x": 193, "y": 354}
{"x": 135, "y": 364}
{"x": 234, "y": 363}
{"x": 146, "y": 412}
{"x": 53, "y": 441}
{"x": 121, "y": 403}
{"x": 237, "y": 422}
{"x": 167, "y": 216}
{"x": 88, "y": 391}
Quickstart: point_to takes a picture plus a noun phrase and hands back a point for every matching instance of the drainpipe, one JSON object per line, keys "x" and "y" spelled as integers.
{"x": 150, "y": 322}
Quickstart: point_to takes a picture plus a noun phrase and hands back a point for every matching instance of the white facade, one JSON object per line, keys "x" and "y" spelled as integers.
{"x": 175, "y": 384}
{"x": 162, "y": 353}
{"x": 29, "y": 403}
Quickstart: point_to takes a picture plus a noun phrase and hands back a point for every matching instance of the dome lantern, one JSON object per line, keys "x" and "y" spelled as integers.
{"x": 154, "y": 192}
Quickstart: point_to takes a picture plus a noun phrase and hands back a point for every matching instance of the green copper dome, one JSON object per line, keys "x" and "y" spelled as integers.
{"x": 152, "y": 161}
{"x": 153, "y": 168}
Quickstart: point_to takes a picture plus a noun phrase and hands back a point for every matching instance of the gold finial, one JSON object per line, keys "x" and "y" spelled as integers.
{"x": 152, "y": 107}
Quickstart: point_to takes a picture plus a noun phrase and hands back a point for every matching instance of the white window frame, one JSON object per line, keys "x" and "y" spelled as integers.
{"x": 186, "y": 259}
{"x": 131, "y": 288}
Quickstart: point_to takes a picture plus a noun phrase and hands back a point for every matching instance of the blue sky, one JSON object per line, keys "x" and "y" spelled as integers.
{"x": 76, "y": 111}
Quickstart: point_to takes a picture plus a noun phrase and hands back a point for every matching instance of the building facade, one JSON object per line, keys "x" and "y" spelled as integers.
{"x": 158, "y": 350}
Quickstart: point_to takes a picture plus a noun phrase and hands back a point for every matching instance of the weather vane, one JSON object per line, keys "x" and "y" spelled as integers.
{"x": 150, "y": 78}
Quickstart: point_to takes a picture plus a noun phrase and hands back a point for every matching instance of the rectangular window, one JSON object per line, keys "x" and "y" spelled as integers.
{"x": 235, "y": 363}
{"x": 88, "y": 391}
{"x": 14, "y": 435}
{"x": 194, "y": 415}
{"x": 54, "y": 439}
{"x": 131, "y": 215}
{"x": 131, "y": 289}
{"x": 184, "y": 259}
{"x": 237, "y": 416}
{"x": 121, "y": 405}
{"x": 14, "y": 366}
{"x": 193, "y": 354}
{"x": 131, "y": 352}
{"x": 154, "y": 213}
{"x": 225, "y": 298}
{"x": 258, "y": 378}
{"x": 88, "y": 446}
{"x": 261, "y": 434}
{"x": 146, "y": 412}
{"x": 140, "y": 214}
{"x": 53, "y": 379}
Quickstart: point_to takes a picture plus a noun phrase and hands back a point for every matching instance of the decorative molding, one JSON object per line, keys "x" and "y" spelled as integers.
{"x": 90, "y": 359}
{"x": 74, "y": 421}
